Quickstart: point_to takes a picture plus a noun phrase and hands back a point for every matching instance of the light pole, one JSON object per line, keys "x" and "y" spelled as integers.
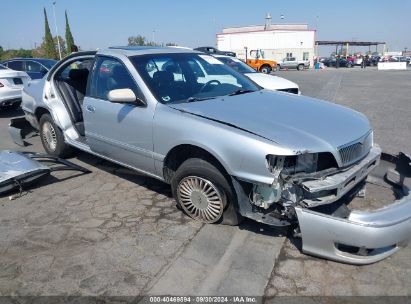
{"x": 153, "y": 37}
{"x": 57, "y": 30}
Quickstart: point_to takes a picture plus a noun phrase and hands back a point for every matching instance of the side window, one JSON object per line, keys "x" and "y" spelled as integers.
{"x": 195, "y": 67}
{"x": 254, "y": 54}
{"x": 15, "y": 65}
{"x": 110, "y": 74}
{"x": 76, "y": 65}
{"x": 32, "y": 66}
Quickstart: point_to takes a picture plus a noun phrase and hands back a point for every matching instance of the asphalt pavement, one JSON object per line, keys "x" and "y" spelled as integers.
{"x": 115, "y": 232}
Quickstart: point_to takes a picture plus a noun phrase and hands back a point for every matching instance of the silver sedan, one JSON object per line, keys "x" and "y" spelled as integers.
{"x": 228, "y": 148}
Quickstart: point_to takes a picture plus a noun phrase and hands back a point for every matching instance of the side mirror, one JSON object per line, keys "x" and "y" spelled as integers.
{"x": 124, "y": 96}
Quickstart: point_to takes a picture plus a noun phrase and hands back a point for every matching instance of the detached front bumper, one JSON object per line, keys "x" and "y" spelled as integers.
{"x": 362, "y": 237}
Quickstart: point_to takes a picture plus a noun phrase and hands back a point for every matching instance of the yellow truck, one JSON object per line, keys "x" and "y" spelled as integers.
{"x": 255, "y": 59}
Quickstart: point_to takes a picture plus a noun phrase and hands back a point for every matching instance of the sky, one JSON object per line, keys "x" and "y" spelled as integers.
{"x": 192, "y": 23}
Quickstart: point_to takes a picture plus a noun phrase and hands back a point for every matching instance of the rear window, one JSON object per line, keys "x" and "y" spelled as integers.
{"x": 15, "y": 65}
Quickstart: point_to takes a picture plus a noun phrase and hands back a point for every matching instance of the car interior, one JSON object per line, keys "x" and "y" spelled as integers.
{"x": 71, "y": 83}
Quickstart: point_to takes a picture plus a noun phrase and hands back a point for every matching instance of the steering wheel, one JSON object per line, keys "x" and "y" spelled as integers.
{"x": 208, "y": 83}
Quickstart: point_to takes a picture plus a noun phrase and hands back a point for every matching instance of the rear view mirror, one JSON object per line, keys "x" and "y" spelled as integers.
{"x": 123, "y": 96}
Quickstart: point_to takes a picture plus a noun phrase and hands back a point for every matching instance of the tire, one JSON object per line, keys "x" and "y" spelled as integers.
{"x": 266, "y": 69}
{"x": 52, "y": 138}
{"x": 204, "y": 193}
{"x": 300, "y": 67}
{"x": 349, "y": 65}
{"x": 278, "y": 68}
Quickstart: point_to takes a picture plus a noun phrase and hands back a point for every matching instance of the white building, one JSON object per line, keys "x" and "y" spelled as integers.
{"x": 278, "y": 41}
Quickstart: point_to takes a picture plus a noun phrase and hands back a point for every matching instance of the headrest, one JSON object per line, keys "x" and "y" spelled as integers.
{"x": 78, "y": 74}
{"x": 163, "y": 77}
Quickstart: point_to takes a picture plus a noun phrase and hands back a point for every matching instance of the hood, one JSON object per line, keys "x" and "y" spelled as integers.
{"x": 271, "y": 82}
{"x": 295, "y": 122}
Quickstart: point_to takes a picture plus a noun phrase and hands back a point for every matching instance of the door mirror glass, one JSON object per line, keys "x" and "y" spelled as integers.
{"x": 123, "y": 96}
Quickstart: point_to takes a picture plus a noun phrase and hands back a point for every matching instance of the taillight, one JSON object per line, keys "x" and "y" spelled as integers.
{"x": 1, "y": 85}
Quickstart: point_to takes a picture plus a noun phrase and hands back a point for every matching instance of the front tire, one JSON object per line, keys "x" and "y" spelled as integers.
{"x": 266, "y": 69}
{"x": 52, "y": 138}
{"x": 204, "y": 193}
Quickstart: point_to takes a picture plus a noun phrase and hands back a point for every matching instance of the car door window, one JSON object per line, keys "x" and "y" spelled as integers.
{"x": 32, "y": 66}
{"x": 110, "y": 74}
{"x": 15, "y": 65}
{"x": 76, "y": 65}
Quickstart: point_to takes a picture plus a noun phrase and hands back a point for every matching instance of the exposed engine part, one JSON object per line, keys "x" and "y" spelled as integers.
{"x": 265, "y": 195}
{"x": 275, "y": 165}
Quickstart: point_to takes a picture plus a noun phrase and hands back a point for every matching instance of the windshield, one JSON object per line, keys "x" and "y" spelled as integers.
{"x": 237, "y": 64}
{"x": 174, "y": 78}
{"x": 2, "y": 67}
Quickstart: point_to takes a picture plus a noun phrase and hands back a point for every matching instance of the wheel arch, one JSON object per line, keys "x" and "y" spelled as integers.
{"x": 180, "y": 153}
{"x": 40, "y": 111}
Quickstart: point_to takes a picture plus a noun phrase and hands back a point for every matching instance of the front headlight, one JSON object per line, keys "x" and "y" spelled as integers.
{"x": 303, "y": 163}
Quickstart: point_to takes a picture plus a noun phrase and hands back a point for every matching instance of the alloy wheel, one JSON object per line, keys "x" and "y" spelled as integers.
{"x": 49, "y": 136}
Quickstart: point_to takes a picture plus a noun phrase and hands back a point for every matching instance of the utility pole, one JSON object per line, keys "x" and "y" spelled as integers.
{"x": 57, "y": 30}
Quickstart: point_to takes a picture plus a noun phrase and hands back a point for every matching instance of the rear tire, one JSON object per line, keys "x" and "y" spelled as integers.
{"x": 278, "y": 68}
{"x": 204, "y": 193}
{"x": 300, "y": 67}
{"x": 52, "y": 138}
{"x": 266, "y": 69}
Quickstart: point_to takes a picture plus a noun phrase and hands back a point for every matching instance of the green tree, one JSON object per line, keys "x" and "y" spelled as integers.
{"x": 69, "y": 37}
{"x": 9, "y": 54}
{"x": 63, "y": 45}
{"x": 48, "y": 43}
{"x": 137, "y": 41}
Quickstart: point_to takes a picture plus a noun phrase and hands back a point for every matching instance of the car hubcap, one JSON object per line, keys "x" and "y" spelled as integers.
{"x": 49, "y": 136}
{"x": 200, "y": 199}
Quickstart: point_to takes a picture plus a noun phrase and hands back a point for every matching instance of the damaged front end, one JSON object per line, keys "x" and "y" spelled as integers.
{"x": 312, "y": 194}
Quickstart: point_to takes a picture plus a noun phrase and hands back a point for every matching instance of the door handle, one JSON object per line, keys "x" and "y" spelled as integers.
{"x": 90, "y": 108}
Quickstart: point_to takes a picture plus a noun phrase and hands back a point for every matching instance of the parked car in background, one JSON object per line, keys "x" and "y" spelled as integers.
{"x": 228, "y": 148}
{"x": 374, "y": 60}
{"x": 36, "y": 68}
{"x": 256, "y": 60}
{"x": 343, "y": 62}
{"x": 269, "y": 82}
{"x": 358, "y": 60}
{"x": 11, "y": 86}
{"x": 293, "y": 63}
{"x": 213, "y": 51}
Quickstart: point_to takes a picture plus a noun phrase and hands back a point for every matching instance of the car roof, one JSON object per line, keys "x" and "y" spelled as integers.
{"x": 143, "y": 50}
{"x": 28, "y": 58}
